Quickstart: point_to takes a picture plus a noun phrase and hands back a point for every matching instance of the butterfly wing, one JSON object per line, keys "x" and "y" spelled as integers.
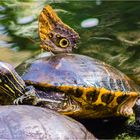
{"x": 54, "y": 34}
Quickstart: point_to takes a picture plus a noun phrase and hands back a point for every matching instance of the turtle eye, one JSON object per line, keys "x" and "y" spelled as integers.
{"x": 64, "y": 43}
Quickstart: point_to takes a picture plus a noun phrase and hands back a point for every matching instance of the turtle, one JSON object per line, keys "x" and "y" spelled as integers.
{"x": 78, "y": 85}
{"x": 71, "y": 84}
{"x": 30, "y": 123}
{"x": 82, "y": 101}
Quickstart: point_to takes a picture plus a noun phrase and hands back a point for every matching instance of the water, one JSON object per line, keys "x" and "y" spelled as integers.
{"x": 109, "y": 31}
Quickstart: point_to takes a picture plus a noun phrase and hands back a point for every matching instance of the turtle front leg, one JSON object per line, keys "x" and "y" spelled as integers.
{"x": 125, "y": 109}
{"x": 137, "y": 112}
{"x": 30, "y": 94}
{"x": 134, "y": 126}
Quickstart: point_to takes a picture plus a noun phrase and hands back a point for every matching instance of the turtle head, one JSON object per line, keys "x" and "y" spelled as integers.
{"x": 11, "y": 83}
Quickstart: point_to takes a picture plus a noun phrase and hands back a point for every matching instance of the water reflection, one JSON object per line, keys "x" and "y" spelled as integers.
{"x": 98, "y": 2}
{"x": 91, "y": 22}
{"x": 25, "y": 20}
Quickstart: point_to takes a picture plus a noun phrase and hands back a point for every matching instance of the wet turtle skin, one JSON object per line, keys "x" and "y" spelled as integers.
{"x": 80, "y": 86}
{"x": 11, "y": 84}
{"x": 35, "y": 123}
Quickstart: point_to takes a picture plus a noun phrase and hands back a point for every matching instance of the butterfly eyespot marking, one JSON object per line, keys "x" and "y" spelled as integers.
{"x": 52, "y": 30}
{"x": 58, "y": 35}
{"x": 50, "y": 35}
{"x": 64, "y": 43}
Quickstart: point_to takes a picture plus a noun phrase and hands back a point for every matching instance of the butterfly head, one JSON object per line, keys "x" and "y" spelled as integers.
{"x": 54, "y": 34}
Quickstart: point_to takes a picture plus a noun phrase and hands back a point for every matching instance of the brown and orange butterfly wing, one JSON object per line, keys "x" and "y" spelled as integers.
{"x": 54, "y": 34}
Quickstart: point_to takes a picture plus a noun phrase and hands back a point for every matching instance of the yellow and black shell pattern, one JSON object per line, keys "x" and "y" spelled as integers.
{"x": 93, "y": 83}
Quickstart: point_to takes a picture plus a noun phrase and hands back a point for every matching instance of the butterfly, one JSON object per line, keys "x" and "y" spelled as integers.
{"x": 55, "y": 35}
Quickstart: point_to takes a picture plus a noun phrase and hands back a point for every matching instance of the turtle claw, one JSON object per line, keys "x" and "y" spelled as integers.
{"x": 19, "y": 99}
{"x": 29, "y": 94}
{"x": 15, "y": 102}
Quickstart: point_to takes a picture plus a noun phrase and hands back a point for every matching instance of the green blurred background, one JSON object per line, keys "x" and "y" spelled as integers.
{"x": 114, "y": 36}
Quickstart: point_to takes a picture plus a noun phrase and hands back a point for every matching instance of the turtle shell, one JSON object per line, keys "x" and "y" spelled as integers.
{"x": 91, "y": 81}
{"x": 35, "y": 123}
{"x": 76, "y": 71}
